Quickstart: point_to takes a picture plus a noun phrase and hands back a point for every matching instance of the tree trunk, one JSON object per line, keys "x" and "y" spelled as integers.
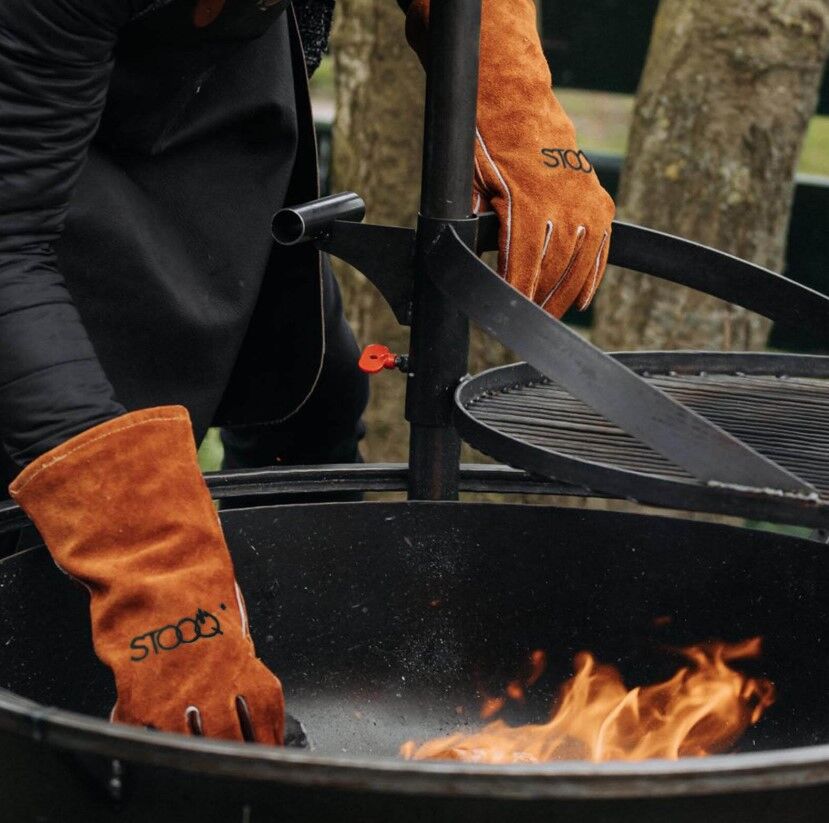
{"x": 377, "y": 137}
{"x": 722, "y": 110}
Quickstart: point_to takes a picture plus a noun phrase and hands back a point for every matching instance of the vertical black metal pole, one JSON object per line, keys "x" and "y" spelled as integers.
{"x": 440, "y": 334}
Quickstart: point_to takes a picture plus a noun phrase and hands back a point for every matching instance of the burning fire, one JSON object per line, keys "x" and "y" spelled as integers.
{"x": 703, "y": 709}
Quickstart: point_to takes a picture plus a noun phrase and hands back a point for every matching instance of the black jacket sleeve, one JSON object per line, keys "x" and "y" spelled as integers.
{"x": 55, "y": 63}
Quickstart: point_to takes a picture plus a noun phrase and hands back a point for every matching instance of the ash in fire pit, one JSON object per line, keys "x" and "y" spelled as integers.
{"x": 703, "y": 709}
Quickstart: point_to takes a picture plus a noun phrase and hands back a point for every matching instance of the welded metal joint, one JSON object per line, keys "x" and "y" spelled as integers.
{"x": 383, "y": 254}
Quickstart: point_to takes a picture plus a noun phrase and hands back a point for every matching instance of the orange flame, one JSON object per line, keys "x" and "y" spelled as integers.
{"x": 703, "y": 709}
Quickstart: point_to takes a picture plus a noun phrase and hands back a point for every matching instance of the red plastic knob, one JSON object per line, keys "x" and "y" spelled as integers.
{"x": 376, "y": 357}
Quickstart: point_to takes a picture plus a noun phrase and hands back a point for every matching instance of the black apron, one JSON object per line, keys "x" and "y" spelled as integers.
{"x": 167, "y": 248}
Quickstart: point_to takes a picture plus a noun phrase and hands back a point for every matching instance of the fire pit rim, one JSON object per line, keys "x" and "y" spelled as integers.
{"x": 719, "y": 774}
{"x": 72, "y": 732}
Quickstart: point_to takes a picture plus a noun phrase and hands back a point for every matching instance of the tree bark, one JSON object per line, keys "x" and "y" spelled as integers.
{"x": 722, "y": 110}
{"x": 377, "y": 137}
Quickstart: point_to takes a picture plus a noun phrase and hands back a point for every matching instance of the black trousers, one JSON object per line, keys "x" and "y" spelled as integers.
{"x": 326, "y": 430}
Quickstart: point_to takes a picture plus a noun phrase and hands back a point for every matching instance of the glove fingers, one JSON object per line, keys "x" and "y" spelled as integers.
{"x": 177, "y": 723}
{"x": 522, "y": 245}
{"x": 242, "y": 720}
{"x": 253, "y": 712}
{"x": 262, "y": 716}
{"x": 590, "y": 288}
{"x": 261, "y": 708}
{"x": 563, "y": 268}
{"x": 245, "y": 719}
{"x": 192, "y": 716}
{"x": 219, "y": 721}
{"x": 480, "y": 204}
{"x": 578, "y": 278}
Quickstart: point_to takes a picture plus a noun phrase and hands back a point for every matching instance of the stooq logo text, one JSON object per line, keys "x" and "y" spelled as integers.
{"x": 202, "y": 626}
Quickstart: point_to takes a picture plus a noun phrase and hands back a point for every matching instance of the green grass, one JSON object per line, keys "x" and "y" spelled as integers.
{"x": 603, "y": 121}
{"x": 778, "y": 528}
{"x": 322, "y": 81}
{"x": 211, "y": 452}
{"x": 815, "y": 157}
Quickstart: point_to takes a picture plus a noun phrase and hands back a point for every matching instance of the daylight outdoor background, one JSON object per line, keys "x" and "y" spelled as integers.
{"x": 378, "y": 85}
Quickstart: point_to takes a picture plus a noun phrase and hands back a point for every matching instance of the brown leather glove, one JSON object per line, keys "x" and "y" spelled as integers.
{"x": 123, "y": 509}
{"x": 555, "y": 216}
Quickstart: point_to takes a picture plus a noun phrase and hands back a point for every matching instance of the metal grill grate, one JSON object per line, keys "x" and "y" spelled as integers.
{"x": 784, "y": 419}
{"x": 777, "y": 404}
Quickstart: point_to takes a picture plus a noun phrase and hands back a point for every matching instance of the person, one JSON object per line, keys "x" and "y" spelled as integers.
{"x": 144, "y": 146}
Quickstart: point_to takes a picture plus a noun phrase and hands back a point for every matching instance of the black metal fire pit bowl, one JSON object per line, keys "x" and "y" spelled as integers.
{"x": 385, "y": 621}
{"x": 388, "y": 621}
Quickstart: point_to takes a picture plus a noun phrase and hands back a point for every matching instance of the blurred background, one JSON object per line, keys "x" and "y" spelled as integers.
{"x": 704, "y": 118}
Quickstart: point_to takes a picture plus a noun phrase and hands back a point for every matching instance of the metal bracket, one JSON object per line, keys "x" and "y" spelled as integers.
{"x": 718, "y": 274}
{"x": 384, "y": 254}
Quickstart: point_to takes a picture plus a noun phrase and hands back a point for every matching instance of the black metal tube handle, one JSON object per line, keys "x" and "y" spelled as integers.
{"x": 301, "y": 224}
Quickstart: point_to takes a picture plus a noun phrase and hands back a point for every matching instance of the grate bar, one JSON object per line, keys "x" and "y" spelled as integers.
{"x": 784, "y": 419}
